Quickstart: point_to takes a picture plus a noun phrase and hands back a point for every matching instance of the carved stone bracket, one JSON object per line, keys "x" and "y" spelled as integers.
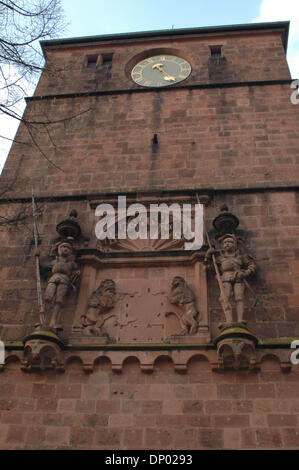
{"x": 42, "y": 351}
{"x": 236, "y": 348}
{"x": 236, "y": 354}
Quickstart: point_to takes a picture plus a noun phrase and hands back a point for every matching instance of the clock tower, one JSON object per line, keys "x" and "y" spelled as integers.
{"x": 150, "y": 300}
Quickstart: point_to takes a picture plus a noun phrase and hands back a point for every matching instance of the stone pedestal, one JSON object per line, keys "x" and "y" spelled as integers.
{"x": 42, "y": 350}
{"x": 236, "y": 347}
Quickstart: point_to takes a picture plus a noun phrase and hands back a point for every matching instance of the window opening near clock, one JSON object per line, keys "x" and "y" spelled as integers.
{"x": 92, "y": 61}
{"x": 216, "y": 52}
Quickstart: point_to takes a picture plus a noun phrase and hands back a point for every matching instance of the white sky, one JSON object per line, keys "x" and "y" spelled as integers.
{"x": 284, "y": 10}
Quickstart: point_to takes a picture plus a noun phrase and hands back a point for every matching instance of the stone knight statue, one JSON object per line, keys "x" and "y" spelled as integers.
{"x": 235, "y": 268}
{"x": 64, "y": 273}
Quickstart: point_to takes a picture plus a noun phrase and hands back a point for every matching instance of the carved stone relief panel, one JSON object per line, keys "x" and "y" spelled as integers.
{"x": 139, "y": 305}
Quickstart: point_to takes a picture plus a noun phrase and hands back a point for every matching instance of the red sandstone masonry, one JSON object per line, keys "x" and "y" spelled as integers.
{"x": 229, "y": 421}
{"x": 222, "y": 138}
{"x": 209, "y": 166}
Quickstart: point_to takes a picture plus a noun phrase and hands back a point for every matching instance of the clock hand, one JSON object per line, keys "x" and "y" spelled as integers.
{"x": 159, "y": 67}
{"x": 166, "y": 77}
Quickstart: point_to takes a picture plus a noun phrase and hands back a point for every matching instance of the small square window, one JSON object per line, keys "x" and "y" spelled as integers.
{"x": 215, "y": 52}
{"x": 92, "y": 61}
{"x": 107, "y": 60}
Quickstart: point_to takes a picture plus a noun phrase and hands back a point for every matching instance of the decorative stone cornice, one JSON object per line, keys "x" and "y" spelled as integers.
{"x": 147, "y": 355}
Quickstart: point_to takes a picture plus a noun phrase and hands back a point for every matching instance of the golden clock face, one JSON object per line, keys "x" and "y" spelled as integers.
{"x": 160, "y": 71}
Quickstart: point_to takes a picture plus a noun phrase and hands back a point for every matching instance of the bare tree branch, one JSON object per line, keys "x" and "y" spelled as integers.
{"x": 22, "y": 25}
{"x": 14, "y": 140}
{"x": 10, "y": 185}
{"x": 34, "y": 140}
{"x": 13, "y": 114}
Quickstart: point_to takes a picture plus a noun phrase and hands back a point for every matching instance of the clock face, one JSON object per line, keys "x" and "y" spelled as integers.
{"x": 160, "y": 71}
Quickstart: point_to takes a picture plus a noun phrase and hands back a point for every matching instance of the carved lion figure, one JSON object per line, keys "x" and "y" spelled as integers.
{"x": 182, "y": 296}
{"x": 99, "y": 302}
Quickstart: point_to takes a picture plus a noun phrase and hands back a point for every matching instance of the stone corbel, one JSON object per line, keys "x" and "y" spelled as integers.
{"x": 147, "y": 368}
{"x": 285, "y": 367}
{"x": 88, "y": 367}
{"x": 42, "y": 351}
{"x": 236, "y": 349}
{"x": 237, "y": 354}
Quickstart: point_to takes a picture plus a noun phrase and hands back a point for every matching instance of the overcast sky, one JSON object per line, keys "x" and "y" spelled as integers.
{"x": 96, "y": 17}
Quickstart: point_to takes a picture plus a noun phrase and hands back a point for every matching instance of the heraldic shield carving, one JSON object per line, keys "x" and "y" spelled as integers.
{"x": 143, "y": 305}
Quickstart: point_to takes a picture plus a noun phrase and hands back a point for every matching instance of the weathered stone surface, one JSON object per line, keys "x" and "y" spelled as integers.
{"x": 229, "y": 133}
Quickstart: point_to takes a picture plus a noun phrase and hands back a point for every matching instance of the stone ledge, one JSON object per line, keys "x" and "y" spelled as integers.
{"x": 179, "y": 355}
{"x": 265, "y": 343}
